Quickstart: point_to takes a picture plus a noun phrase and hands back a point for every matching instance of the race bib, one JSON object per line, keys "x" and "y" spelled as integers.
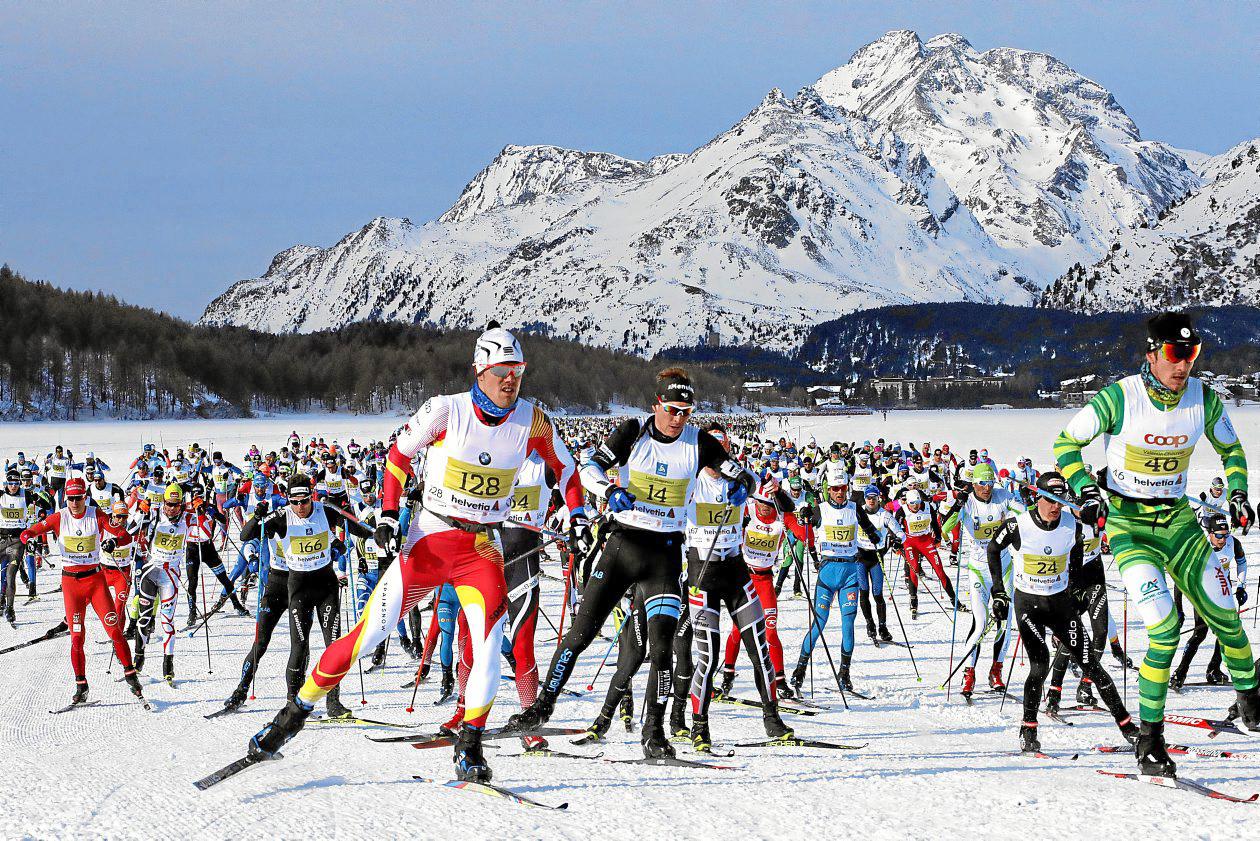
{"x": 760, "y": 541}
{"x": 12, "y": 515}
{"x": 525, "y": 499}
{"x": 658, "y": 490}
{"x": 79, "y": 544}
{"x": 711, "y": 514}
{"x": 984, "y": 531}
{"x": 478, "y": 481}
{"x": 839, "y": 534}
{"x": 314, "y": 544}
{"x": 1152, "y": 462}
{"x": 168, "y": 541}
{"x": 1045, "y": 566}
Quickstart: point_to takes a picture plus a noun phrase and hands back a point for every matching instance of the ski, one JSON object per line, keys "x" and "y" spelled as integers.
{"x": 1181, "y": 750}
{"x": 1043, "y": 755}
{"x": 1058, "y": 718}
{"x": 560, "y": 754}
{"x": 1084, "y": 708}
{"x": 68, "y": 707}
{"x": 439, "y": 740}
{"x": 672, "y": 762}
{"x": 720, "y": 753}
{"x": 224, "y": 711}
{"x": 493, "y": 791}
{"x": 366, "y": 722}
{"x": 587, "y": 738}
{"x": 50, "y": 634}
{"x": 1184, "y": 785}
{"x": 201, "y": 621}
{"x": 1212, "y": 725}
{"x": 230, "y": 770}
{"x": 795, "y": 742}
{"x": 749, "y": 702}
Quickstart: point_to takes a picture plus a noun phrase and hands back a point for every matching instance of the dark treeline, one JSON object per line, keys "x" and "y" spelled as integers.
{"x": 66, "y": 354}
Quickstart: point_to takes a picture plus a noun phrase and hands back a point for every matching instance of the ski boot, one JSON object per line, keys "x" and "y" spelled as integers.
{"x": 1129, "y": 731}
{"x": 534, "y": 716}
{"x": 1247, "y": 706}
{"x": 267, "y": 742}
{"x": 193, "y": 616}
{"x": 425, "y": 668}
{"x": 1054, "y": 697}
{"x": 995, "y": 678}
{"x": 80, "y": 691}
{"x": 1118, "y": 653}
{"x": 655, "y": 745}
{"x": 775, "y": 728}
{"x": 334, "y": 707}
{"x": 701, "y": 741}
{"x": 378, "y": 656}
{"x": 240, "y": 609}
{"x": 10, "y": 617}
{"x": 133, "y": 683}
{"x": 218, "y": 605}
{"x": 237, "y": 699}
{"x": 728, "y": 683}
{"x": 168, "y": 670}
{"x": 1028, "y": 741}
{"x": 138, "y": 660}
{"x": 470, "y": 762}
{"x": 870, "y": 632}
{"x": 884, "y": 636}
{"x": 1178, "y": 681}
{"x": 595, "y": 733}
{"x": 677, "y": 721}
{"x": 782, "y": 688}
{"x": 798, "y": 677}
{"x": 968, "y": 681}
{"x": 1152, "y": 753}
{"x": 447, "y": 689}
{"x": 846, "y": 685}
{"x": 627, "y": 712}
{"x": 914, "y": 607}
{"x": 1216, "y": 677}
{"x": 408, "y": 648}
{"x": 1085, "y": 694}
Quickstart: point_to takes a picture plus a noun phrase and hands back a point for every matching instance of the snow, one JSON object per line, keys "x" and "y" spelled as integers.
{"x": 933, "y": 768}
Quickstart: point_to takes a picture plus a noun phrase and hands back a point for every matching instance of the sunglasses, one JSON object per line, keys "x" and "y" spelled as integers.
{"x": 75, "y": 498}
{"x": 1179, "y": 351}
{"x": 677, "y": 411}
{"x": 985, "y": 484}
{"x": 502, "y": 371}
{"x": 300, "y": 500}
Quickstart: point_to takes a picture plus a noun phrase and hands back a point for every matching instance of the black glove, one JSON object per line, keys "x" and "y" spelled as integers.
{"x": 1000, "y": 605}
{"x": 363, "y": 567}
{"x": 261, "y": 509}
{"x": 108, "y": 545}
{"x": 580, "y": 538}
{"x": 387, "y": 532}
{"x": 1241, "y": 595}
{"x": 1093, "y": 508}
{"x": 961, "y": 486}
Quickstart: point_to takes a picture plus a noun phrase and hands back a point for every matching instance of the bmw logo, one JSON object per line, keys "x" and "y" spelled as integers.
{"x": 1048, "y": 550}
{"x": 484, "y": 458}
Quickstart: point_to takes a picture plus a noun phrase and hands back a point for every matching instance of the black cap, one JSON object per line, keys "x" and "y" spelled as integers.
{"x": 300, "y": 482}
{"x": 1170, "y": 327}
{"x": 12, "y": 476}
{"x": 1052, "y": 482}
{"x": 1215, "y": 522}
{"x": 217, "y": 454}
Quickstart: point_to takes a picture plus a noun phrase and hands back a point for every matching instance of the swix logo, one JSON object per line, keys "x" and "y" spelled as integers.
{"x": 1223, "y": 581}
{"x": 1166, "y": 440}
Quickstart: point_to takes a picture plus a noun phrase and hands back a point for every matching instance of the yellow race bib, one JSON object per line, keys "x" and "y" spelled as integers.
{"x": 79, "y": 545}
{"x": 1152, "y": 462}
{"x": 314, "y": 544}
{"x": 475, "y": 480}
{"x": 984, "y": 531}
{"x": 658, "y": 490}
{"x": 525, "y": 499}
{"x": 1045, "y": 566}
{"x": 712, "y": 514}
{"x": 838, "y": 534}
{"x": 762, "y": 542}
{"x": 168, "y": 541}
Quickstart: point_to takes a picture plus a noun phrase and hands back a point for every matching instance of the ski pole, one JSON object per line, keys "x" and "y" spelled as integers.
{"x": 968, "y": 652}
{"x": 1007, "y": 687}
{"x": 616, "y": 633}
{"x": 904, "y": 636}
{"x": 953, "y": 636}
{"x": 822, "y": 635}
{"x": 429, "y": 640}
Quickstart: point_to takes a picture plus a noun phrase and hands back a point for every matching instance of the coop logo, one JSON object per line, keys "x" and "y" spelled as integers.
{"x": 1166, "y": 440}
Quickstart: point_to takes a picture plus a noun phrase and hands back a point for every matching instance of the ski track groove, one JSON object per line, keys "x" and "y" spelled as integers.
{"x": 122, "y": 773}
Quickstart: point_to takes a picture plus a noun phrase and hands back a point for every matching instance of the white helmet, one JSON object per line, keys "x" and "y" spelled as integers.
{"x": 495, "y": 347}
{"x": 914, "y": 498}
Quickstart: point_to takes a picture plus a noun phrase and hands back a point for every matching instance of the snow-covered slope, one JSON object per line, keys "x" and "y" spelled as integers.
{"x": 914, "y": 173}
{"x": 1204, "y": 252}
{"x": 1046, "y": 159}
{"x": 797, "y": 214}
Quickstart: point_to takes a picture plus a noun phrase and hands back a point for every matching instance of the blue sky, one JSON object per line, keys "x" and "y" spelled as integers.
{"x": 163, "y": 152}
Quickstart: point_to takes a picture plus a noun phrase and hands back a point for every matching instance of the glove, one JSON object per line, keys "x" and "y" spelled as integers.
{"x": 1092, "y": 510}
{"x": 736, "y": 493}
{"x": 619, "y": 499}
{"x": 363, "y": 567}
{"x": 961, "y": 486}
{"x": 261, "y": 509}
{"x": 25, "y": 537}
{"x": 897, "y": 545}
{"x": 1000, "y": 606}
{"x": 1241, "y": 595}
{"x": 108, "y": 545}
{"x": 580, "y": 538}
{"x": 387, "y": 532}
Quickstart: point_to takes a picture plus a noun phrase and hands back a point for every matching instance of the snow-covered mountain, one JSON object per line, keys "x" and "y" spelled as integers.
{"x": 915, "y": 173}
{"x": 1205, "y": 251}
{"x": 1046, "y": 159}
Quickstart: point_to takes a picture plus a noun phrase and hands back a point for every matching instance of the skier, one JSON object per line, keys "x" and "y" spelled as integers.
{"x": 1229, "y": 554}
{"x": 661, "y": 457}
{"x": 78, "y": 534}
{"x": 485, "y": 435}
{"x": 1046, "y": 543}
{"x": 1152, "y": 422}
{"x": 870, "y": 555}
{"x": 917, "y": 518}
